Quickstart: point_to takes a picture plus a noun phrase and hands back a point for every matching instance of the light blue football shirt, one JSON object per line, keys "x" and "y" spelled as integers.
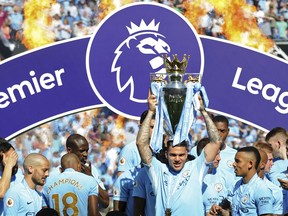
{"x": 143, "y": 189}
{"x": 277, "y": 196}
{"x": 68, "y": 192}
{"x": 94, "y": 172}
{"x": 129, "y": 157}
{"x": 227, "y": 156}
{"x": 279, "y": 170}
{"x": 17, "y": 178}
{"x": 180, "y": 191}
{"x": 253, "y": 198}
{"x": 123, "y": 188}
{"x": 215, "y": 187}
{"x": 21, "y": 200}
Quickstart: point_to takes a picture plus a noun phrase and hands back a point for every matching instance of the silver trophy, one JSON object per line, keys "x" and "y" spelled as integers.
{"x": 172, "y": 87}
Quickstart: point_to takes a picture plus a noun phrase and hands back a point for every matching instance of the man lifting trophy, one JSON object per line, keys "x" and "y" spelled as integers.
{"x": 177, "y": 101}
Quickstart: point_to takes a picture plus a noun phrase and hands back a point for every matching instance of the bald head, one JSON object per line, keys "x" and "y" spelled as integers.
{"x": 70, "y": 160}
{"x": 33, "y": 160}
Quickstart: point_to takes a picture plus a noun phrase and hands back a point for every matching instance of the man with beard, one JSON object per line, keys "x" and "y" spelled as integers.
{"x": 178, "y": 183}
{"x": 250, "y": 195}
{"x": 23, "y": 198}
{"x": 9, "y": 172}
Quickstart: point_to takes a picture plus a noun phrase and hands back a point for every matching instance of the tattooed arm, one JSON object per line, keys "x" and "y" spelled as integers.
{"x": 143, "y": 136}
{"x": 211, "y": 149}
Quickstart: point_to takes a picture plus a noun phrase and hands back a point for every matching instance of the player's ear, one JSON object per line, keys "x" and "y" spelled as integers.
{"x": 69, "y": 150}
{"x": 30, "y": 169}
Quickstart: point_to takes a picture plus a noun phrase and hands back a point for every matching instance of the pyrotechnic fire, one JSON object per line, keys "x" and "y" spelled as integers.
{"x": 107, "y": 6}
{"x": 239, "y": 25}
{"x": 194, "y": 11}
{"x": 36, "y": 30}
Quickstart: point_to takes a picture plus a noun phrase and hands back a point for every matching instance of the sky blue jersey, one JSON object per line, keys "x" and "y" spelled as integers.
{"x": 17, "y": 178}
{"x": 129, "y": 157}
{"x": 21, "y": 200}
{"x": 123, "y": 188}
{"x": 178, "y": 191}
{"x": 68, "y": 192}
{"x": 253, "y": 198}
{"x": 215, "y": 187}
{"x": 143, "y": 189}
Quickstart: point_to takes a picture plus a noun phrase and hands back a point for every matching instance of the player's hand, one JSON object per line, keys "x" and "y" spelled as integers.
{"x": 283, "y": 183}
{"x": 10, "y": 160}
{"x": 202, "y": 107}
{"x": 152, "y": 102}
{"x": 86, "y": 168}
{"x": 215, "y": 210}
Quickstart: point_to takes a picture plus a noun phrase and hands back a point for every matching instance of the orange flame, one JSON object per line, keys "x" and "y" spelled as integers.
{"x": 240, "y": 25}
{"x": 37, "y": 21}
{"x": 105, "y": 7}
{"x": 194, "y": 11}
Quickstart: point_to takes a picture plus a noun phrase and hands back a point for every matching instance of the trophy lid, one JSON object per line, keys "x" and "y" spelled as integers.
{"x": 176, "y": 66}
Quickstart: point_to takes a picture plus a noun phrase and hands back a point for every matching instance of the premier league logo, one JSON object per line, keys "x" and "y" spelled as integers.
{"x": 128, "y": 46}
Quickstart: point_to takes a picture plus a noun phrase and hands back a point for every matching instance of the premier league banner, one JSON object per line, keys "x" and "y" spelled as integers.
{"x": 111, "y": 67}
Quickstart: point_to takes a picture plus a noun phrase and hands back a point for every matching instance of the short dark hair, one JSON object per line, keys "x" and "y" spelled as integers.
{"x": 184, "y": 143}
{"x": 143, "y": 116}
{"x": 254, "y": 151}
{"x": 220, "y": 118}
{"x": 74, "y": 139}
{"x": 47, "y": 212}
{"x": 201, "y": 145}
{"x": 274, "y": 132}
{"x": 5, "y": 146}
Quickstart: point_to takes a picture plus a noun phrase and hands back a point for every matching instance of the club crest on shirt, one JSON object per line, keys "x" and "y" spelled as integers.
{"x": 229, "y": 163}
{"x": 218, "y": 187}
{"x": 135, "y": 183}
{"x": 244, "y": 198}
{"x": 9, "y": 202}
{"x": 122, "y": 161}
{"x": 186, "y": 173}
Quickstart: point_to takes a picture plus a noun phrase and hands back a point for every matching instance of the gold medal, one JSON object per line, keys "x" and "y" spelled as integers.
{"x": 168, "y": 212}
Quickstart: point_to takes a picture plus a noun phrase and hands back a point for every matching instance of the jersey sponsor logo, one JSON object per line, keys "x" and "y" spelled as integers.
{"x": 124, "y": 63}
{"x": 9, "y": 202}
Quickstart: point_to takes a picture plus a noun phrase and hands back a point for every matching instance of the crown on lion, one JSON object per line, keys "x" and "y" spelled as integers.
{"x": 143, "y": 27}
{"x": 176, "y": 65}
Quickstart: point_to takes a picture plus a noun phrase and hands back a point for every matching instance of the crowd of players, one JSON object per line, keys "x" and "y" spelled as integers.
{"x": 206, "y": 175}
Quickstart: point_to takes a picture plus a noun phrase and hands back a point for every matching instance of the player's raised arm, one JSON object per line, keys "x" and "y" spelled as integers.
{"x": 211, "y": 149}
{"x": 143, "y": 137}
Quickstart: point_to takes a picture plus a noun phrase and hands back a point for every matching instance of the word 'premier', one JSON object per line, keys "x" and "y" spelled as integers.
{"x": 46, "y": 81}
{"x": 255, "y": 85}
